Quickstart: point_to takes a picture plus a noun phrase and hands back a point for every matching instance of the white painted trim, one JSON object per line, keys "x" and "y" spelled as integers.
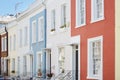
{"x": 88, "y": 68}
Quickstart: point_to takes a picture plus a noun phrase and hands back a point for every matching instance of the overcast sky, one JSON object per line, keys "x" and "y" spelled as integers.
{"x": 13, "y": 6}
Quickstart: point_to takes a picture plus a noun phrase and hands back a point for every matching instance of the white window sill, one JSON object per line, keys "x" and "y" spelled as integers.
{"x": 52, "y": 32}
{"x": 40, "y": 40}
{"x": 81, "y": 25}
{"x": 93, "y": 77}
{"x": 62, "y": 29}
{"x": 97, "y": 20}
{"x": 34, "y": 42}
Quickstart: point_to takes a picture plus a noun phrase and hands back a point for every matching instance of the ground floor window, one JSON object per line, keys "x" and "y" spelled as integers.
{"x": 95, "y": 57}
{"x": 13, "y": 65}
{"x": 61, "y": 60}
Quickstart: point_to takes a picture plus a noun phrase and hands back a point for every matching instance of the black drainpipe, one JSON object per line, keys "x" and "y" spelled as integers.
{"x": 7, "y": 39}
{"x": 7, "y": 45}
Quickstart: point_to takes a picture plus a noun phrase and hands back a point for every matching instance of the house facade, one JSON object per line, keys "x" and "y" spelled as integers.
{"x": 94, "y": 22}
{"x": 4, "y": 50}
{"x": 4, "y": 59}
{"x": 59, "y": 49}
{"x": 23, "y": 52}
{"x": 117, "y": 40}
{"x": 37, "y": 38}
{"x": 12, "y": 47}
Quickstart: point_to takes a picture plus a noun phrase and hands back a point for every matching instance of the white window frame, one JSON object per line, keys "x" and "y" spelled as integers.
{"x": 94, "y": 12}
{"x": 34, "y": 29}
{"x": 41, "y": 29}
{"x": 79, "y": 15}
{"x": 90, "y": 75}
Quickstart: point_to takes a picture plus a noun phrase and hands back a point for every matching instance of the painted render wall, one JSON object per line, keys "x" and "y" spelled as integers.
{"x": 117, "y": 39}
{"x": 24, "y": 49}
{"x": 38, "y": 45}
{"x": 60, "y": 37}
{"x": 12, "y": 53}
{"x": 104, "y": 27}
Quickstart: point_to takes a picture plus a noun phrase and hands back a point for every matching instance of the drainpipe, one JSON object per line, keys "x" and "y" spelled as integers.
{"x": 6, "y": 45}
{"x": 6, "y": 38}
{"x": 0, "y": 55}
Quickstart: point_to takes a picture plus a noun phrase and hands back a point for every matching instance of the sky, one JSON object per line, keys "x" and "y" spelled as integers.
{"x": 13, "y": 6}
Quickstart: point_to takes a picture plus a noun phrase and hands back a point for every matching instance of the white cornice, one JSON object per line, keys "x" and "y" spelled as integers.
{"x": 12, "y": 24}
{"x": 34, "y": 7}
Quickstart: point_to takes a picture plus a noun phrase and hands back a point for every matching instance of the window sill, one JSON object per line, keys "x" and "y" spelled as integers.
{"x": 63, "y": 29}
{"x": 52, "y": 32}
{"x": 40, "y": 40}
{"x": 93, "y": 77}
{"x": 97, "y": 20}
{"x": 81, "y": 25}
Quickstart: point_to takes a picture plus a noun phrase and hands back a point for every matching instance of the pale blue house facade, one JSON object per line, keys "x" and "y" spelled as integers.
{"x": 38, "y": 41}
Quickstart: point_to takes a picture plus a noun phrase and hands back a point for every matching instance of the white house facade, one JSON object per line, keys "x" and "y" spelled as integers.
{"x": 60, "y": 45}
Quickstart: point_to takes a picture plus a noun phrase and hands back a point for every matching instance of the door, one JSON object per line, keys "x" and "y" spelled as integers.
{"x": 76, "y": 62}
{"x": 8, "y": 67}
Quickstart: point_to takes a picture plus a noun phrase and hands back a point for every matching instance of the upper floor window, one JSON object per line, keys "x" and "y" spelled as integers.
{"x": 25, "y": 35}
{"x": 95, "y": 57}
{"x": 97, "y": 7}
{"x": 40, "y": 29}
{"x": 53, "y": 22}
{"x": 13, "y": 64}
{"x": 10, "y": 43}
{"x": 63, "y": 16}
{"x": 61, "y": 60}
{"x": 80, "y": 13}
{"x": 21, "y": 39}
{"x": 14, "y": 43}
{"x": 4, "y": 43}
{"x": 34, "y": 31}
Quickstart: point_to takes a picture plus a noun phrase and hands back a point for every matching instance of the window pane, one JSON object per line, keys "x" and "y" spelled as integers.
{"x": 80, "y": 12}
{"x": 97, "y": 9}
{"x": 96, "y": 57}
{"x": 53, "y": 19}
{"x": 63, "y": 14}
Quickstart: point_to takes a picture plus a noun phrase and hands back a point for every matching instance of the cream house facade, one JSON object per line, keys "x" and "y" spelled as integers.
{"x": 12, "y": 44}
{"x": 117, "y": 40}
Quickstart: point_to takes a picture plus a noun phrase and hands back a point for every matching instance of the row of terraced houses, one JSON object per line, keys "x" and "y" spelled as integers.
{"x": 70, "y": 39}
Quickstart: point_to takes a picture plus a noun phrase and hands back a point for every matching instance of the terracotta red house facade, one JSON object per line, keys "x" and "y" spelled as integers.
{"x": 94, "y": 22}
